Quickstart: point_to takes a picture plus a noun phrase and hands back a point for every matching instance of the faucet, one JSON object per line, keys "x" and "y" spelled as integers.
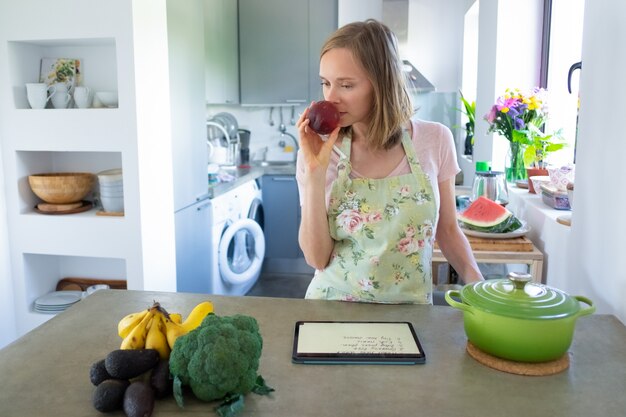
{"x": 231, "y": 145}
{"x": 283, "y": 132}
{"x": 220, "y": 127}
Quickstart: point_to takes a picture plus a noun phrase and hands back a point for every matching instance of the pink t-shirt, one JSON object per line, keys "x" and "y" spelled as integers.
{"x": 434, "y": 146}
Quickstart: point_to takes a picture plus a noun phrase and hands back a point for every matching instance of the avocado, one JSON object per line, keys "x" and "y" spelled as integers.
{"x": 160, "y": 379}
{"x": 138, "y": 400}
{"x": 129, "y": 363}
{"x": 98, "y": 373}
{"x": 109, "y": 395}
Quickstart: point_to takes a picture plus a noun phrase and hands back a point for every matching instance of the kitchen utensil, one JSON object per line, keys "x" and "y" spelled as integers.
{"x": 82, "y": 97}
{"x": 38, "y": 94}
{"x": 110, "y": 176}
{"x": 281, "y": 126}
{"x": 244, "y": 138}
{"x": 229, "y": 122}
{"x": 107, "y": 98}
{"x": 293, "y": 116}
{"x": 61, "y": 97}
{"x": 217, "y": 134}
{"x": 554, "y": 198}
{"x": 271, "y": 118}
{"x": 490, "y": 184}
{"x": 62, "y": 187}
{"x": 519, "y": 320}
{"x": 84, "y": 206}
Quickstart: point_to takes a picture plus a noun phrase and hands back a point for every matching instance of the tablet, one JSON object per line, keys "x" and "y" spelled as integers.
{"x": 356, "y": 342}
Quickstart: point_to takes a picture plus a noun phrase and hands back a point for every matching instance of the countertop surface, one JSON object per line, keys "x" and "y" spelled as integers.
{"x": 46, "y": 372}
{"x": 251, "y": 172}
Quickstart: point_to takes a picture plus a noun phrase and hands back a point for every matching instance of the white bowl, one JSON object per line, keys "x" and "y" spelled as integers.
{"x": 112, "y": 204}
{"x": 110, "y": 176}
{"x": 107, "y": 98}
{"x": 113, "y": 194}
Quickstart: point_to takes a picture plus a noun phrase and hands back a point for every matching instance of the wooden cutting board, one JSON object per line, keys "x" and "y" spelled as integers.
{"x": 516, "y": 244}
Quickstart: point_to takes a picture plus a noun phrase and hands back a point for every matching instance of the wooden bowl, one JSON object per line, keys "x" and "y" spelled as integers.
{"x": 62, "y": 187}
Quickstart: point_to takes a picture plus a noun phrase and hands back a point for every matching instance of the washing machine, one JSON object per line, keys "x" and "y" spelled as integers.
{"x": 238, "y": 240}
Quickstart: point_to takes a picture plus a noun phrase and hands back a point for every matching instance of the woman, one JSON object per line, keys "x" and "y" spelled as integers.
{"x": 374, "y": 193}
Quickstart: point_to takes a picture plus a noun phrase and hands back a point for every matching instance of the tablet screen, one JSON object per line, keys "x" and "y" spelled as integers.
{"x": 356, "y": 342}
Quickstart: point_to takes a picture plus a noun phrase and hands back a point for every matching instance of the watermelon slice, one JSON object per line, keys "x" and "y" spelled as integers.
{"x": 485, "y": 215}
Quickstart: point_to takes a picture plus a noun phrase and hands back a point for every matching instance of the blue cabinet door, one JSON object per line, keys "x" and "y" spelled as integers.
{"x": 282, "y": 216}
{"x": 194, "y": 248}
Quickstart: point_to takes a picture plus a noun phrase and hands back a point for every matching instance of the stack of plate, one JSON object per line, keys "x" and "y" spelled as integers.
{"x": 57, "y": 301}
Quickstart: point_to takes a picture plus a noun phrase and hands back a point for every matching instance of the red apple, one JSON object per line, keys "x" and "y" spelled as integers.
{"x": 323, "y": 117}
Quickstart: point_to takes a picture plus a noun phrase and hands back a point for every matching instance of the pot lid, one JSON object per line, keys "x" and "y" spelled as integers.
{"x": 516, "y": 296}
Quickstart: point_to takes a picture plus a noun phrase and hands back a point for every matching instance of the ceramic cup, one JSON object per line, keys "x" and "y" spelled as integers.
{"x": 38, "y": 94}
{"x": 62, "y": 97}
{"x": 82, "y": 97}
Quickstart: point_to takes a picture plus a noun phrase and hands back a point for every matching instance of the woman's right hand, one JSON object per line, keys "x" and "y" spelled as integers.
{"x": 315, "y": 150}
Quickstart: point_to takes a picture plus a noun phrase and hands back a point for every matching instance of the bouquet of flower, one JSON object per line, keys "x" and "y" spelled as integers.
{"x": 515, "y": 111}
{"x": 519, "y": 118}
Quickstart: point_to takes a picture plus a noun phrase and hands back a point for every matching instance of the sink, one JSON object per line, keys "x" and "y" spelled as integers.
{"x": 276, "y": 163}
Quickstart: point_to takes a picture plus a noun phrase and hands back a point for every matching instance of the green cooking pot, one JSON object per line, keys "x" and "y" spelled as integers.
{"x": 519, "y": 320}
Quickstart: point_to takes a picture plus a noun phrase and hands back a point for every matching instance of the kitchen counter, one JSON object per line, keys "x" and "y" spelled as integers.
{"x": 46, "y": 372}
{"x": 243, "y": 175}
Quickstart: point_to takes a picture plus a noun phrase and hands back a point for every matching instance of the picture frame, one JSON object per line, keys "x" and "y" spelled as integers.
{"x": 64, "y": 70}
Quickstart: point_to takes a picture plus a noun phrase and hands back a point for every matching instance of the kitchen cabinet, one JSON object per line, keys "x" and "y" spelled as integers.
{"x": 221, "y": 52}
{"x": 194, "y": 247}
{"x": 187, "y": 72}
{"x": 117, "y": 54}
{"x": 282, "y": 216}
{"x": 279, "y": 44}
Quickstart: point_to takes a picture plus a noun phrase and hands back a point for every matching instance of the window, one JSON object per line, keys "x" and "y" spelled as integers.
{"x": 565, "y": 45}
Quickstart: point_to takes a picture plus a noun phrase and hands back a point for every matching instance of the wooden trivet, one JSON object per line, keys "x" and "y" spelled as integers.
{"x": 519, "y": 368}
{"x": 84, "y": 206}
{"x": 48, "y": 207}
{"x": 81, "y": 284}
{"x": 515, "y": 244}
{"x": 565, "y": 220}
{"x": 110, "y": 213}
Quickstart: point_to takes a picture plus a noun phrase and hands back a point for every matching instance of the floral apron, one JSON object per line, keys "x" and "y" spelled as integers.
{"x": 383, "y": 232}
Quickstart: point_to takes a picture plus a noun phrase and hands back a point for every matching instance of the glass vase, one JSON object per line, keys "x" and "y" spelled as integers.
{"x": 514, "y": 166}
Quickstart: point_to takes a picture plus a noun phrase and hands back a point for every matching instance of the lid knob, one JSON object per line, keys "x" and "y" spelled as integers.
{"x": 519, "y": 279}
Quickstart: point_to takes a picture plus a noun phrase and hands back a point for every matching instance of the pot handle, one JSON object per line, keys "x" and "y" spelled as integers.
{"x": 587, "y": 310}
{"x": 453, "y": 303}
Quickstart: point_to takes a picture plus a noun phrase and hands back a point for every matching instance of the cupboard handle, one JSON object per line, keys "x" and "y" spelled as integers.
{"x": 283, "y": 179}
{"x": 202, "y": 207}
{"x": 203, "y": 196}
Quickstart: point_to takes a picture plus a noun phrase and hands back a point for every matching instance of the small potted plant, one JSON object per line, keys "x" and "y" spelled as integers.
{"x": 537, "y": 146}
{"x": 469, "y": 110}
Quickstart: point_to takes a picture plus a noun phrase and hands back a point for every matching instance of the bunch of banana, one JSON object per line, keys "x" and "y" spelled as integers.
{"x": 155, "y": 328}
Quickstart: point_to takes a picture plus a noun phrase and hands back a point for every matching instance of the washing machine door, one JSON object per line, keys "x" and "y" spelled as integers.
{"x": 241, "y": 252}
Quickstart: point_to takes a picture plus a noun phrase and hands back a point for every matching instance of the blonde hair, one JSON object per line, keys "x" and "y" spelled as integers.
{"x": 375, "y": 47}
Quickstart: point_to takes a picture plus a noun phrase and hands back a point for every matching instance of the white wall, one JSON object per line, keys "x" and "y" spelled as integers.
{"x": 7, "y": 310}
{"x": 357, "y": 10}
{"x": 597, "y": 266}
{"x": 436, "y": 39}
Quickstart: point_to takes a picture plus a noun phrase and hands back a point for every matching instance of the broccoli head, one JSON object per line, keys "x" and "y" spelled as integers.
{"x": 219, "y": 357}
